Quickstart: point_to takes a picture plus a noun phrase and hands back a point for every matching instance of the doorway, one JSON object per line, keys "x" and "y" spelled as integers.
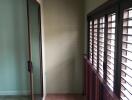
{"x": 14, "y": 75}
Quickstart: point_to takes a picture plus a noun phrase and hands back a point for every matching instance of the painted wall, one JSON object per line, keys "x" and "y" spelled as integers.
{"x": 90, "y": 5}
{"x": 63, "y": 35}
{"x": 14, "y": 78}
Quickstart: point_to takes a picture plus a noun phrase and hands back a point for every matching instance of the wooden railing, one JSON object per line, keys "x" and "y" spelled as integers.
{"x": 95, "y": 87}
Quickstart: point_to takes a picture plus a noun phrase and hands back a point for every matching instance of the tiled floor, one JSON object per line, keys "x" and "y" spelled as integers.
{"x": 64, "y": 97}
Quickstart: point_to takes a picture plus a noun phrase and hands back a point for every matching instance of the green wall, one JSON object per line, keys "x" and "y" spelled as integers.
{"x": 14, "y": 78}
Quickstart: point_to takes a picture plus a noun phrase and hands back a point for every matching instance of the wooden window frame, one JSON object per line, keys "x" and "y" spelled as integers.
{"x": 94, "y": 15}
{"x": 124, "y": 5}
{"x": 112, "y": 6}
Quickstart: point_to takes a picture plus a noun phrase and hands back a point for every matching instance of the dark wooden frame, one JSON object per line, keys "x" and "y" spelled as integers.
{"x": 29, "y": 50}
{"x": 104, "y": 13}
{"x": 124, "y": 4}
{"x": 40, "y": 46}
{"x": 109, "y": 7}
{"x": 30, "y": 67}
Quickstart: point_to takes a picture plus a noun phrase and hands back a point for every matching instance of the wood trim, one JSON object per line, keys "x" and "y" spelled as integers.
{"x": 118, "y": 52}
{"x": 111, "y": 6}
{"x": 105, "y": 47}
{"x": 124, "y": 4}
{"x": 103, "y": 9}
{"x": 30, "y": 69}
{"x": 96, "y": 88}
{"x": 40, "y": 46}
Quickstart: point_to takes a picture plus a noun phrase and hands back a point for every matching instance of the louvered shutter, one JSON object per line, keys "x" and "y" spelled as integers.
{"x": 126, "y": 64}
{"x": 95, "y": 44}
{"x": 110, "y": 49}
{"x": 101, "y": 45}
{"x": 90, "y": 40}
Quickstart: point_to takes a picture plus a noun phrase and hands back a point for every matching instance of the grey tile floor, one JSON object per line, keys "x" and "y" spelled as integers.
{"x": 18, "y": 98}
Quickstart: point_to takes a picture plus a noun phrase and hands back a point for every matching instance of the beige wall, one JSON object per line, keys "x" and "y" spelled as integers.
{"x": 63, "y": 40}
{"x": 90, "y": 5}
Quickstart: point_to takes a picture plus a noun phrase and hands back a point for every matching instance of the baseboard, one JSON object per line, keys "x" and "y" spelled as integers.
{"x": 11, "y": 93}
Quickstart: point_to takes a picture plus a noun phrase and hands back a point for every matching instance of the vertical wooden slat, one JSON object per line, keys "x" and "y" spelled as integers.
{"x": 118, "y": 52}
{"x": 86, "y": 76}
{"x": 87, "y": 81}
{"x": 95, "y": 88}
{"x": 90, "y": 85}
{"x": 101, "y": 89}
{"x": 105, "y": 48}
{"x": 40, "y": 50}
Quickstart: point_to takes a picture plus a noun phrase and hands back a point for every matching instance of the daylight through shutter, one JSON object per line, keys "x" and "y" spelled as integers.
{"x": 101, "y": 45}
{"x": 91, "y": 38}
{"x": 110, "y": 50}
{"x": 126, "y": 68}
{"x": 95, "y": 44}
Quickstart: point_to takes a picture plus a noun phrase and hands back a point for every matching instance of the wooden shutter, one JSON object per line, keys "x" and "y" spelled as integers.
{"x": 95, "y": 44}
{"x": 110, "y": 50}
{"x": 101, "y": 45}
{"x": 91, "y": 41}
{"x": 126, "y": 67}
